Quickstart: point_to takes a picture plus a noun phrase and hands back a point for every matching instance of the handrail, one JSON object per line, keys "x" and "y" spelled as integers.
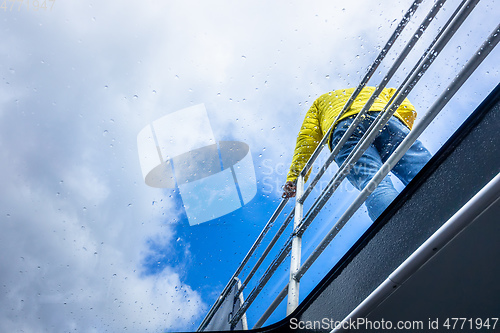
{"x": 301, "y": 223}
{"x": 371, "y": 70}
{"x": 281, "y": 296}
{"x": 445, "y": 97}
{"x": 266, "y": 252}
{"x": 296, "y": 250}
{"x": 409, "y": 46}
{"x": 404, "y": 146}
{"x": 388, "y": 111}
{"x": 231, "y": 282}
{"x": 302, "y": 226}
{"x": 370, "y": 135}
{"x": 365, "y": 80}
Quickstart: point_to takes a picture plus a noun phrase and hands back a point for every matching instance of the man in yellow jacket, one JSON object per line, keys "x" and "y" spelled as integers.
{"x": 319, "y": 119}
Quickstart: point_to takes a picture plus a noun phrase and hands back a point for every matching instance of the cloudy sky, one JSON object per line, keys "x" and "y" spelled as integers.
{"x": 86, "y": 245}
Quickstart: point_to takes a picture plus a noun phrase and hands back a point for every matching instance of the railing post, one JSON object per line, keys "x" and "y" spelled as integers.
{"x": 293, "y": 289}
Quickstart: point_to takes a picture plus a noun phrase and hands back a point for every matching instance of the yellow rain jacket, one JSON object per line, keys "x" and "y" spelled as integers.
{"x": 325, "y": 109}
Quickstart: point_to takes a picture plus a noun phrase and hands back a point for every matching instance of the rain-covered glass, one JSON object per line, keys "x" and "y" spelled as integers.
{"x": 144, "y": 145}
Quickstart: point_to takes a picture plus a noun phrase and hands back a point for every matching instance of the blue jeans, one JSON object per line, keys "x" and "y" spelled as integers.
{"x": 376, "y": 155}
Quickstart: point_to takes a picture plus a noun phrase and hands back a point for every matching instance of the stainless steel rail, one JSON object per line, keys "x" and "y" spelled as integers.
{"x": 409, "y": 46}
{"x": 386, "y": 114}
{"x": 288, "y": 245}
{"x": 371, "y": 70}
{"x": 404, "y": 146}
{"x": 292, "y": 244}
{"x": 231, "y": 282}
{"x": 266, "y": 251}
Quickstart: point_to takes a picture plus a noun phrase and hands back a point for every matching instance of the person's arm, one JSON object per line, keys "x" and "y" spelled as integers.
{"x": 309, "y": 136}
{"x": 289, "y": 189}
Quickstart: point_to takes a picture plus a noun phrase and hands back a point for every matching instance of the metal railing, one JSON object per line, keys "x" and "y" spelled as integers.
{"x": 301, "y": 222}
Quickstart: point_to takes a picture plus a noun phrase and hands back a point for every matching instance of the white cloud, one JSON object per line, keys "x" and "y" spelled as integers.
{"x": 71, "y": 259}
{"x": 83, "y": 183}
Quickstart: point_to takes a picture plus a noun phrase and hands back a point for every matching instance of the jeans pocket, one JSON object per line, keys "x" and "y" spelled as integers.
{"x": 339, "y": 131}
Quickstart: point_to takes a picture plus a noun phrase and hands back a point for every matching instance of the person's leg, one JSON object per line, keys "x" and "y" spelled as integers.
{"x": 366, "y": 167}
{"x": 413, "y": 160}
